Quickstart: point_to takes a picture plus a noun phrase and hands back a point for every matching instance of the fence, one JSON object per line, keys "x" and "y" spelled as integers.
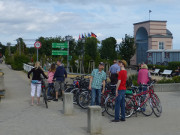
{"x": 27, "y": 67}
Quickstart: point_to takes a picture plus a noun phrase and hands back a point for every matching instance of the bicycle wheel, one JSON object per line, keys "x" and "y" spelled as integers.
{"x": 129, "y": 107}
{"x": 110, "y": 106}
{"x": 84, "y": 99}
{"x": 146, "y": 108}
{"x": 74, "y": 91}
{"x": 103, "y": 103}
{"x": 45, "y": 98}
{"x": 156, "y": 105}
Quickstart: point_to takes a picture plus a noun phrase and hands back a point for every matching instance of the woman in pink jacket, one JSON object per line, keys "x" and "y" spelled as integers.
{"x": 50, "y": 79}
{"x": 144, "y": 77}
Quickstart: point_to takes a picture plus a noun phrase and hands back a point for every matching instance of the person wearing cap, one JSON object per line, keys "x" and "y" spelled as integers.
{"x": 113, "y": 72}
{"x": 120, "y": 92}
{"x": 144, "y": 76}
{"x": 98, "y": 77}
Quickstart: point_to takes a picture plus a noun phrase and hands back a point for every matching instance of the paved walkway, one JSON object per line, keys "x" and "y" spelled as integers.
{"x": 17, "y": 117}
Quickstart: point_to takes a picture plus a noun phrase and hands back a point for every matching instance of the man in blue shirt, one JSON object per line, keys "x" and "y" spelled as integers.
{"x": 113, "y": 72}
{"x": 98, "y": 77}
{"x": 60, "y": 76}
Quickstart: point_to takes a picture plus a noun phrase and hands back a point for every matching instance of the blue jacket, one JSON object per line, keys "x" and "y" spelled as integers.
{"x": 59, "y": 74}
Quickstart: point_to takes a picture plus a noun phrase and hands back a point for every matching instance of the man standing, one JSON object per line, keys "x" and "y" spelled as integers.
{"x": 120, "y": 92}
{"x": 113, "y": 72}
{"x": 60, "y": 76}
{"x": 98, "y": 76}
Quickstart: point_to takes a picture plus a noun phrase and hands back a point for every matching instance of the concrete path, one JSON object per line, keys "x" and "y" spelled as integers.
{"x": 17, "y": 117}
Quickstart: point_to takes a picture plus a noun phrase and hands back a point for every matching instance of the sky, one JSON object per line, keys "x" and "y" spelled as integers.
{"x": 31, "y": 19}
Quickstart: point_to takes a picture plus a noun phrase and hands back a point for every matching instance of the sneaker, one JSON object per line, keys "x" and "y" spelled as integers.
{"x": 115, "y": 121}
{"x": 55, "y": 100}
{"x": 122, "y": 120}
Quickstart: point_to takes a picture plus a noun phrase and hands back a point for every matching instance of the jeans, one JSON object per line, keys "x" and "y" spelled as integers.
{"x": 143, "y": 88}
{"x": 95, "y": 96}
{"x": 120, "y": 102}
{"x": 50, "y": 85}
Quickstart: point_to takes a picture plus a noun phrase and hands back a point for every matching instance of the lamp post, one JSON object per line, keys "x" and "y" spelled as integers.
{"x": 68, "y": 38}
{"x": 83, "y": 41}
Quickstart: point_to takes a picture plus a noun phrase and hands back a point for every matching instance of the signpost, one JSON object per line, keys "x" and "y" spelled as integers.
{"x": 37, "y": 45}
{"x": 60, "y": 45}
{"x": 64, "y": 45}
{"x": 59, "y": 52}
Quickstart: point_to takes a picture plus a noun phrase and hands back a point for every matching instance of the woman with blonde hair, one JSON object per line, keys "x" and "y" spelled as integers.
{"x": 51, "y": 72}
{"x": 36, "y": 81}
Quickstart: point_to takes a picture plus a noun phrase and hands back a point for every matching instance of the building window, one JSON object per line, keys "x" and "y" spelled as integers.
{"x": 161, "y": 45}
{"x": 166, "y": 54}
{"x": 149, "y": 54}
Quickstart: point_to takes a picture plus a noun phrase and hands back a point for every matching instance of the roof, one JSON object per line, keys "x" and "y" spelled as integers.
{"x": 160, "y": 36}
{"x": 168, "y": 50}
{"x": 168, "y": 35}
{"x": 149, "y": 21}
{"x": 155, "y": 50}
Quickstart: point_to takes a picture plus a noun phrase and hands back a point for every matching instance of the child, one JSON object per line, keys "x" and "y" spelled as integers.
{"x": 50, "y": 79}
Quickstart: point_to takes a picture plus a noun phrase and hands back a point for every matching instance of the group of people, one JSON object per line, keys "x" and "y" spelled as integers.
{"x": 118, "y": 76}
{"x": 56, "y": 78}
{"x": 117, "y": 73}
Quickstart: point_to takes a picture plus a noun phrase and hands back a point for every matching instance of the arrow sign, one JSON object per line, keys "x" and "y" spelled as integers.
{"x": 57, "y": 52}
{"x": 60, "y": 45}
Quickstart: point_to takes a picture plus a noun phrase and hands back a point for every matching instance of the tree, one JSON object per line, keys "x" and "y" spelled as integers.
{"x": 127, "y": 48}
{"x": 108, "y": 49}
{"x": 91, "y": 47}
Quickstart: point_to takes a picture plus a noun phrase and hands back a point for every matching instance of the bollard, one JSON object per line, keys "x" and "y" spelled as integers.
{"x": 68, "y": 103}
{"x": 94, "y": 119}
{"x": 1, "y": 81}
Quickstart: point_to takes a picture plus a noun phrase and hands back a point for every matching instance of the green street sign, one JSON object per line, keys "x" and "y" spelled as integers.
{"x": 60, "y": 45}
{"x": 58, "y": 52}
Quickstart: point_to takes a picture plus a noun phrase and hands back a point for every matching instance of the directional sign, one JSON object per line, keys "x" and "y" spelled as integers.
{"x": 58, "y": 52}
{"x": 60, "y": 45}
{"x": 37, "y": 44}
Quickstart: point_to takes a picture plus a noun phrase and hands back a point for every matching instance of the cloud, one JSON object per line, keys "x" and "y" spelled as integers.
{"x": 35, "y": 18}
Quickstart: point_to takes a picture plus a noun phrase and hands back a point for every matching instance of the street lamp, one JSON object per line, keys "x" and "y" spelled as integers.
{"x": 68, "y": 38}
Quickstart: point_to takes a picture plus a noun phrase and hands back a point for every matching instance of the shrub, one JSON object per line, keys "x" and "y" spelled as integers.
{"x": 165, "y": 80}
{"x": 18, "y": 62}
{"x": 132, "y": 80}
{"x": 161, "y": 67}
{"x": 173, "y": 65}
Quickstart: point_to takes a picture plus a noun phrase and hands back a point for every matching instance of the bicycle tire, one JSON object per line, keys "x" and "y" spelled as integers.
{"x": 45, "y": 98}
{"x": 156, "y": 105}
{"x": 74, "y": 91}
{"x": 84, "y": 99}
{"x": 110, "y": 106}
{"x": 103, "y": 103}
{"x": 129, "y": 107}
{"x": 146, "y": 108}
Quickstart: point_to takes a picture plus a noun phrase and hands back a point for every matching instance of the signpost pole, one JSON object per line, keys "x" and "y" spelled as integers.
{"x": 37, "y": 54}
{"x": 68, "y": 58}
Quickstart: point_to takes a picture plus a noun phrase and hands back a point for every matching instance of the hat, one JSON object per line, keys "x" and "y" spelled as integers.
{"x": 101, "y": 63}
{"x": 144, "y": 66}
{"x": 124, "y": 62}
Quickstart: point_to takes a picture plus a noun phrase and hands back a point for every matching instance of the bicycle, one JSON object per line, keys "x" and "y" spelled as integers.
{"x": 43, "y": 88}
{"x": 146, "y": 102}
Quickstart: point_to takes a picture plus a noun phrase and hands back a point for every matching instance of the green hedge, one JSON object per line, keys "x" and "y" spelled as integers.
{"x": 173, "y": 65}
{"x": 161, "y": 67}
{"x": 18, "y": 62}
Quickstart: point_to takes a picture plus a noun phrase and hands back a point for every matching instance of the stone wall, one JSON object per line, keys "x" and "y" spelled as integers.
{"x": 167, "y": 87}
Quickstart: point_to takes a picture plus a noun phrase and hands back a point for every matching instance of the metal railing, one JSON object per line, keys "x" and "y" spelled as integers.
{"x": 27, "y": 67}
